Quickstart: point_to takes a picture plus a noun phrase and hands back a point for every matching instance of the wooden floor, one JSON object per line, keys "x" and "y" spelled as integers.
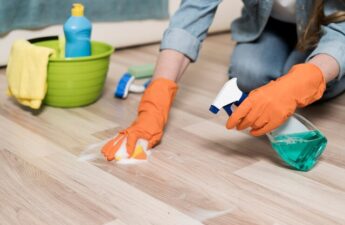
{"x": 200, "y": 174}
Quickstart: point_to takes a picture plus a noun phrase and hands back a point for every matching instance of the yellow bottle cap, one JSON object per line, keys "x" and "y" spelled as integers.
{"x": 77, "y": 9}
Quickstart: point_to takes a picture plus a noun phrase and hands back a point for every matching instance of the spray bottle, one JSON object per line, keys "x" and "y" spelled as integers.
{"x": 298, "y": 142}
{"x": 77, "y": 31}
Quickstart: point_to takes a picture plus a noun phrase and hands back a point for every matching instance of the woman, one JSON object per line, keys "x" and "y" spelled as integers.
{"x": 289, "y": 54}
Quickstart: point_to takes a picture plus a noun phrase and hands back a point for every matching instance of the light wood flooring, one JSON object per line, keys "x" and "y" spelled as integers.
{"x": 201, "y": 173}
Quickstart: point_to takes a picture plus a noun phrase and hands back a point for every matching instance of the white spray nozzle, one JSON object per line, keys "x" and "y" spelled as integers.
{"x": 228, "y": 95}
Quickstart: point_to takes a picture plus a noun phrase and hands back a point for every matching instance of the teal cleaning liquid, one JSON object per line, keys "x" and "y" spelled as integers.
{"x": 302, "y": 150}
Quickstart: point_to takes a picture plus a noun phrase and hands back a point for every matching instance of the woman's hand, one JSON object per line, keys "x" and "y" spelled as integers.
{"x": 269, "y": 106}
{"x": 154, "y": 107}
{"x": 152, "y": 116}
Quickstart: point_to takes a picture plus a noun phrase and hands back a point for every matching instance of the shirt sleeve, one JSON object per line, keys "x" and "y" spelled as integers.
{"x": 188, "y": 27}
{"x": 332, "y": 43}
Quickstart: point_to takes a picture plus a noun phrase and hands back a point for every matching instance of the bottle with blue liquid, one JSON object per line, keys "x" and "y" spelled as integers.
{"x": 77, "y": 31}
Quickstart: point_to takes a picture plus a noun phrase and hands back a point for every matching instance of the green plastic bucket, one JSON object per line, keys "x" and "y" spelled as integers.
{"x": 76, "y": 82}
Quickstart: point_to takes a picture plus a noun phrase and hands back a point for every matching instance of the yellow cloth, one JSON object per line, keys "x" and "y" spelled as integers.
{"x": 27, "y": 73}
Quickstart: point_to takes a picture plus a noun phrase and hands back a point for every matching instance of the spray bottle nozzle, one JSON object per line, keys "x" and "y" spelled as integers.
{"x": 228, "y": 96}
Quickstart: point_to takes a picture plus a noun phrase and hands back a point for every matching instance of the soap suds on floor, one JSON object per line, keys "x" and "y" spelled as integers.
{"x": 93, "y": 152}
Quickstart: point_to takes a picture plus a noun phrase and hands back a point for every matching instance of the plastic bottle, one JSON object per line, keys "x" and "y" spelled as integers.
{"x": 298, "y": 142}
{"x": 77, "y": 31}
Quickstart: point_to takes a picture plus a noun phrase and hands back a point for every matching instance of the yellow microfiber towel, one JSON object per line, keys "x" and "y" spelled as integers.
{"x": 27, "y": 73}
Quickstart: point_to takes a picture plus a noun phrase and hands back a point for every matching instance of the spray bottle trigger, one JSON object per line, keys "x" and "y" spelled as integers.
{"x": 243, "y": 97}
{"x": 228, "y": 109}
{"x": 231, "y": 107}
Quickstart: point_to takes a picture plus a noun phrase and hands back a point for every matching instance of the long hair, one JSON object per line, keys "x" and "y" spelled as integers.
{"x": 312, "y": 34}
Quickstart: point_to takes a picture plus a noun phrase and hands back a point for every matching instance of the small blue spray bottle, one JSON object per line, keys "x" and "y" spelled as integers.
{"x": 77, "y": 31}
{"x": 298, "y": 142}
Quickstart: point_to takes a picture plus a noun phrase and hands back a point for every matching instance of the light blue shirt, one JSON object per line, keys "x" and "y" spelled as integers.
{"x": 189, "y": 25}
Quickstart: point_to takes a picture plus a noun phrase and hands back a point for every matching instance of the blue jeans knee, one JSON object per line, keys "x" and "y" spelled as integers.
{"x": 250, "y": 77}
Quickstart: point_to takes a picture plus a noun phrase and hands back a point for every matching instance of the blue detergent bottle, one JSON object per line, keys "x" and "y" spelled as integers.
{"x": 77, "y": 31}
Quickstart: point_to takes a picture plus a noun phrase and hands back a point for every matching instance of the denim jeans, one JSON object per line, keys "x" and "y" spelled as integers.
{"x": 271, "y": 56}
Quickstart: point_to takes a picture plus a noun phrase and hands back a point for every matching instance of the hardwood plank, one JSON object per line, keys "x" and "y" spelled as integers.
{"x": 301, "y": 189}
{"x": 240, "y": 142}
{"x": 115, "y": 222}
{"x": 205, "y": 192}
{"x": 328, "y": 174}
{"x": 30, "y": 196}
{"x": 238, "y": 217}
{"x": 106, "y": 191}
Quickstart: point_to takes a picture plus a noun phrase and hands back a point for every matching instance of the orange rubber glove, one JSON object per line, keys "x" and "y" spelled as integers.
{"x": 269, "y": 106}
{"x": 152, "y": 116}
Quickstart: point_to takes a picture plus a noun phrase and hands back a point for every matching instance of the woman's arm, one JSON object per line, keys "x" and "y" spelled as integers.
{"x": 327, "y": 64}
{"x": 170, "y": 65}
{"x": 182, "y": 40}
